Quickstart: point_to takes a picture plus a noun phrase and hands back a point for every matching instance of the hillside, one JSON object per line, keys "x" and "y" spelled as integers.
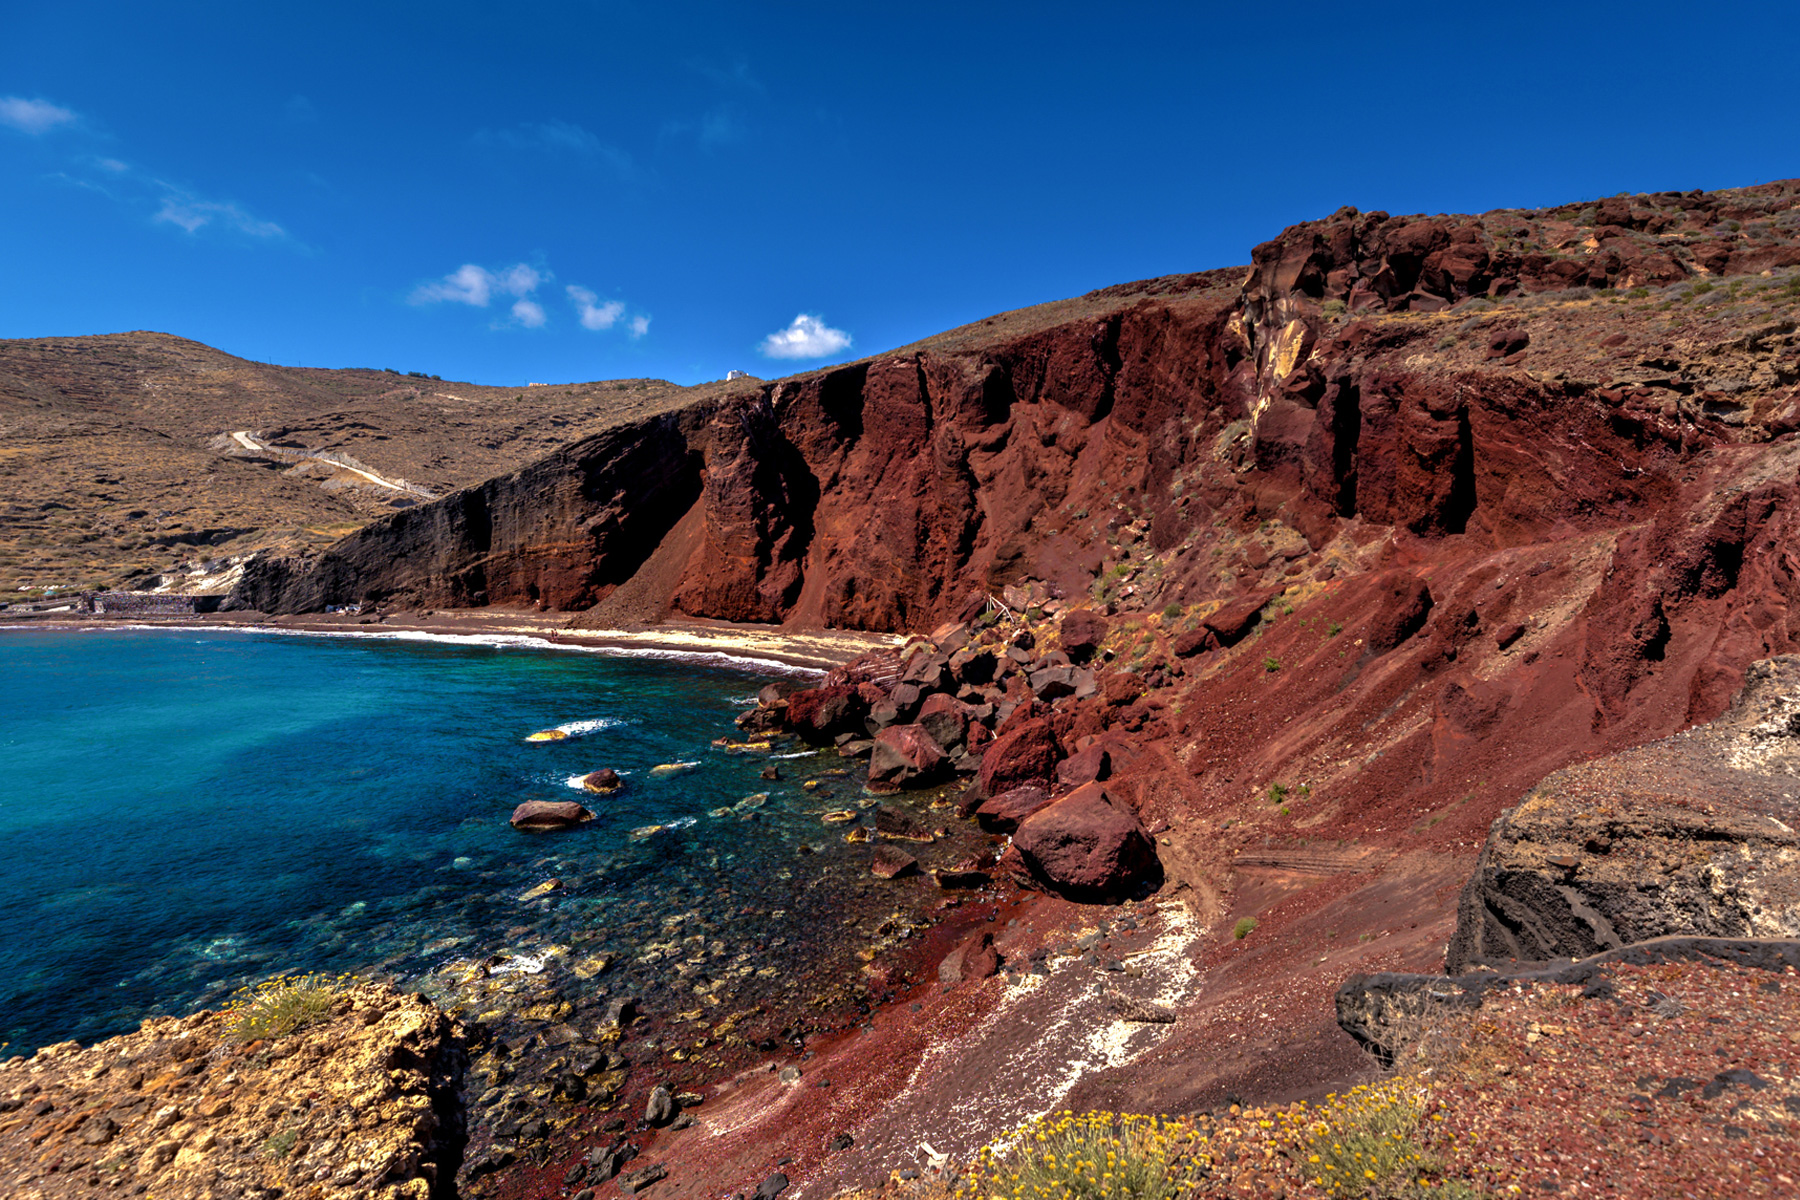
{"x": 118, "y": 460}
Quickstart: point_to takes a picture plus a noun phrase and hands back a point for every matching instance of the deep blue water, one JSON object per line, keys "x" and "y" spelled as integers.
{"x": 185, "y": 811}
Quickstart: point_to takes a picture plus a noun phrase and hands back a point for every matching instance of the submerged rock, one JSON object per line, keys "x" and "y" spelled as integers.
{"x": 549, "y": 815}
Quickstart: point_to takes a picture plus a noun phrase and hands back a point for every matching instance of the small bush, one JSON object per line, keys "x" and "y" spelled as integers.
{"x": 1271, "y": 665}
{"x": 1242, "y": 929}
{"x": 1448, "y": 341}
{"x": 1333, "y": 308}
{"x": 1365, "y": 1143}
{"x": 1333, "y": 629}
{"x": 280, "y": 1006}
{"x": 280, "y": 1145}
{"x": 1277, "y": 793}
{"x": 1085, "y": 1157}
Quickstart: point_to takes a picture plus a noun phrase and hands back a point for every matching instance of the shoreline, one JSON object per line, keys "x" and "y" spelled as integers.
{"x": 714, "y": 643}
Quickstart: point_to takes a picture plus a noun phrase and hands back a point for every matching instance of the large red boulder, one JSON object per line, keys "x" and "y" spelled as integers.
{"x": 905, "y": 755}
{"x": 819, "y": 714}
{"x": 1027, "y": 753}
{"x": 549, "y": 814}
{"x": 1087, "y": 847}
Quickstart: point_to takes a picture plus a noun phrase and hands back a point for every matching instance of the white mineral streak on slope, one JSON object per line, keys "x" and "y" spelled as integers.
{"x": 1074, "y": 1034}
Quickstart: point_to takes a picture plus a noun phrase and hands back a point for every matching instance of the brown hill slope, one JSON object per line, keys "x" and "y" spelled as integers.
{"x": 117, "y": 459}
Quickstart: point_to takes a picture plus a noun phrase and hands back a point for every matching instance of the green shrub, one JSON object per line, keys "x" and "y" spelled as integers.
{"x": 280, "y": 1145}
{"x": 1242, "y": 929}
{"x": 1085, "y": 1157}
{"x": 1271, "y": 665}
{"x": 280, "y": 1006}
{"x": 1333, "y": 629}
{"x": 1333, "y": 308}
{"x": 1277, "y": 793}
{"x": 1172, "y": 613}
{"x": 1446, "y": 342}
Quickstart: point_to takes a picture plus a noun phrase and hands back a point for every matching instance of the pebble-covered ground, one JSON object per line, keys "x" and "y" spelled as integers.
{"x": 1676, "y": 1080}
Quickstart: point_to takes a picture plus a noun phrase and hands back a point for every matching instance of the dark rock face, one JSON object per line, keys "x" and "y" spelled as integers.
{"x": 1691, "y": 835}
{"x": 1386, "y": 1011}
{"x": 1087, "y": 846}
{"x": 549, "y": 814}
{"x": 1084, "y": 766}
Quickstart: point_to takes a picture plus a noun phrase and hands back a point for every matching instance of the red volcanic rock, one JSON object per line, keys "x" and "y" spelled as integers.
{"x": 818, "y": 715}
{"x": 1082, "y": 632}
{"x": 1026, "y": 754}
{"x": 602, "y": 781}
{"x": 946, "y": 719}
{"x": 1086, "y": 846}
{"x": 549, "y": 814}
{"x": 1195, "y": 641}
{"x": 891, "y": 862}
{"x": 1084, "y": 766}
{"x": 1002, "y": 813}
{"x": 1507, "y": 341}
{"x": 974, "y": 959}
{"x": 904, "y": 755}
{"x": 1229, "y": 624}
{"x": 1401, "y": 602}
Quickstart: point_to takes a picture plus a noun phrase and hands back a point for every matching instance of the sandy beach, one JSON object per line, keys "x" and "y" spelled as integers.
{"x": 766, "y": 646}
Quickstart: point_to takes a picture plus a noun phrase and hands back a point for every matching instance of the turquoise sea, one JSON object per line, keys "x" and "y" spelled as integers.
{"x": 186, "y": 811}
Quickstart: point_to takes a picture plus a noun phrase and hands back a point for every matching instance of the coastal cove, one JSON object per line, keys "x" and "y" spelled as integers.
{"x": 188, "y": 811}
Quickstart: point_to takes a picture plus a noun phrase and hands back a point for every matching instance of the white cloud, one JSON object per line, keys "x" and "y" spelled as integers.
{"x": 192, "y": 214}
{"x": 638, "y": 326}
{"x": 593, "y": 314}
{"x": 33, "y": 116}
{"x": 807, "y": 337}
{"x": 564, "y": 137}
{"x": 476, "y": 286}
{"x": 528, "y": 313}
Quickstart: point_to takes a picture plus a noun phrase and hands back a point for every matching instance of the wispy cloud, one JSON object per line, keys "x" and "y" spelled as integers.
{"x": 474, "y": 285}
{"x": 193, "y": 214}
{"x": 528, "y": 313}
{"x": 638, "y": 326}
{"x": 562, "y": 137}
{"x": 34, "y": 117}
{"x": 806, "y": 337}
{"x": 718, "y": 126}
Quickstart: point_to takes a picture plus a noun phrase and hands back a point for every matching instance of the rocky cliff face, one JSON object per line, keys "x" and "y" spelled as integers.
{"x": 363, "y": 1104}
{"x": 1697, "y": 834}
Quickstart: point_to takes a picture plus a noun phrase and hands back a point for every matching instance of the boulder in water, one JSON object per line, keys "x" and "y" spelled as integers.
{"x": 547, "y": 735}
{"x": 549, "y": 814}
{"x": 602, "y": 781}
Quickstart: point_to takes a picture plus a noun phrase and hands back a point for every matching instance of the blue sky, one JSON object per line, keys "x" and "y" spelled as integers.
{"x": 563, "y": 191}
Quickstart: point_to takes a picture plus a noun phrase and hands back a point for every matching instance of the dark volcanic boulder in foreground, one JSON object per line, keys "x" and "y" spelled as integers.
{"x": 1692, "y": 835}
{"x": 550, "y": 814}
{"x": 905, "y": 755}
{"x": 1087, "y": 847}
{"x": 1022, "y": 755}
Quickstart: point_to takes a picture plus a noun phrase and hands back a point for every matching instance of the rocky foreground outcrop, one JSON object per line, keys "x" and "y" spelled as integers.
{"x": 1696, "y": 834}
{"x": 362, "y": 1104}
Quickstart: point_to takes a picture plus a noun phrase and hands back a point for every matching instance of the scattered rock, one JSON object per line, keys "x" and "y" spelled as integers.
{"x": 1127, "y": 1009}
{"x": 1084, "y": 766}
{"x": 905, "y": 755}
{"x": 1082, "y": 632}
{"x": 660, "y": 1109}
{"x": 772, "y": 1187}
{"x": 837, "y": 1142}
{"x": 544, "y": 815}
{"x": 891, "y": 862}
{"x": 1025, "y": 754}
{"x": 602, "y": 781}
{"x": 643, "y": 1177}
